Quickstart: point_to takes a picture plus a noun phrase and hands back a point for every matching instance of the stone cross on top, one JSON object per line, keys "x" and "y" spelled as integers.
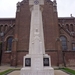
{"x": 36, "y": 2}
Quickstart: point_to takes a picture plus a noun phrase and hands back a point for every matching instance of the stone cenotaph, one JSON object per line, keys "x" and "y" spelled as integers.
{"x": 36, "y": 62}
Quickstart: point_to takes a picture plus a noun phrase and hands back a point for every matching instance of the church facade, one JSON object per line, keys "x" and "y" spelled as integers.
{"x": 59, "y": 35}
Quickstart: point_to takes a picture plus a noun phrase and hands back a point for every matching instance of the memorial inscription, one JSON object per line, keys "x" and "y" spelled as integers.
{"x": 28, "y": 62}
{"x": 46, "y": 61}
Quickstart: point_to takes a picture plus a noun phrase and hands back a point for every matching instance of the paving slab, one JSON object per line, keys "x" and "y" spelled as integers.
{"x": 3, "y": 68}
{"x": 14, "y": 73}
{"x": 56, "y": 72}
{"x": 59, "y": 72}
{"x": 73, "y": 68}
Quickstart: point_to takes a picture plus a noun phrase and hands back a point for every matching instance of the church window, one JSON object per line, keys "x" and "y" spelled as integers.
{"x": 1, "y": 28}
{"x": 71, "y": 26}
{"x": 73, "y": 46}
{"x": 9, "y": 44}
{"x": 67, "y": 26}
{"x": 64, "y": 42}
{"x": 5, "y": 28}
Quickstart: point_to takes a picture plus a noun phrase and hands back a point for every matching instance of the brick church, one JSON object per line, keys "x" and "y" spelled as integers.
{"x": 59, "y": 35}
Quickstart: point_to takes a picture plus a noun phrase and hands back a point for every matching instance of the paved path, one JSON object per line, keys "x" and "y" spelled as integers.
{"x": 59, "y": 72}
{"x": 73, "y": 68}
{"x": 3, "y": 68}
{"x": 56, "y": 72}
{"x": 15, "y": 73}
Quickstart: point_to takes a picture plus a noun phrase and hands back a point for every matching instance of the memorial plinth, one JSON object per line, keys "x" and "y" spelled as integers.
{"x": 36, "y": 62}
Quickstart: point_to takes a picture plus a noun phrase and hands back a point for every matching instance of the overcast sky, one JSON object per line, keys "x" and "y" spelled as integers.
{"x": 65, "y": 8}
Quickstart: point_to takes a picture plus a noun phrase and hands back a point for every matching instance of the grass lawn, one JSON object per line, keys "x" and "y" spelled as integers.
{"x": 7, "y": 71}
{"x": 68, "y": 70}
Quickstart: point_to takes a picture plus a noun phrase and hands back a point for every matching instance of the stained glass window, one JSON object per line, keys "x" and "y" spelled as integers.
{"x": 9, "y": 44}
{"x": 64, "y": 42}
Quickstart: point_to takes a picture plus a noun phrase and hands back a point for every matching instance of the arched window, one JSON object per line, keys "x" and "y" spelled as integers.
{"x": 1, "y": 28}
{"x": 73, "y": 46}
{"x": 67, "y": 26}
{"x": 9, "y": 44}
{"x": 63, "y": 42}
{"x": 71, "y": 26}
{"x": 5, "y": 28}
